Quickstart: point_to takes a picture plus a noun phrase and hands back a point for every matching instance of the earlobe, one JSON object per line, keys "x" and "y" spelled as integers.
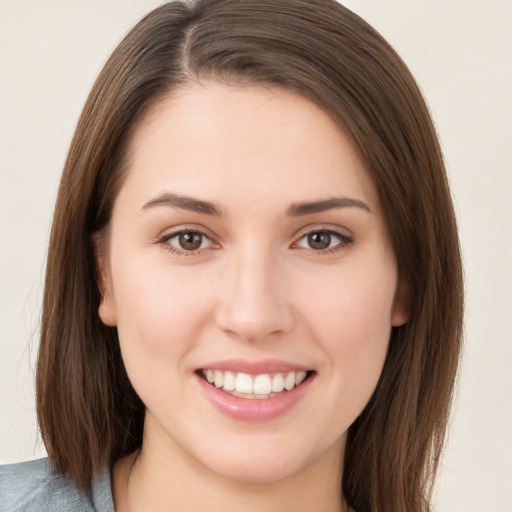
{"x": 400, "y": 314}
{"x": 106, "y": 309}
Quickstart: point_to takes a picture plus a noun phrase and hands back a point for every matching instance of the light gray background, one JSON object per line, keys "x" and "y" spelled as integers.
{"x": 459, "y": 50}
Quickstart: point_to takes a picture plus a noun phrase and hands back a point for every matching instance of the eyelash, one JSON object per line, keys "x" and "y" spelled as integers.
{"x": 344, "y": 241}
{"x": 165, "y": 241}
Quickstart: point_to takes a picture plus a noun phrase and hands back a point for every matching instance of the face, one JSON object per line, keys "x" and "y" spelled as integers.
{"x": 249, "y": 273}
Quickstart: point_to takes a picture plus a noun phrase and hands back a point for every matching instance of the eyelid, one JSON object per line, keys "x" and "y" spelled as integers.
{"x": 170, "y": 233}
{"x": 344, "y": 238}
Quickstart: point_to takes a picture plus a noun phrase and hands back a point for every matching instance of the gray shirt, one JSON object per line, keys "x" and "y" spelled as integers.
{"x": 34, "y": 487}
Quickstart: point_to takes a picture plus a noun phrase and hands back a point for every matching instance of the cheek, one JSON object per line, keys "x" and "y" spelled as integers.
{"x": 355, "y": 305}
{"x": 160, "y": 312}
{"x": 352, "y": 322}
{"x": 160, "y": 317}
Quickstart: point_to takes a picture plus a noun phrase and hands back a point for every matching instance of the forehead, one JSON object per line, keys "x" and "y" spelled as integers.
{"x": 247, "y": 142}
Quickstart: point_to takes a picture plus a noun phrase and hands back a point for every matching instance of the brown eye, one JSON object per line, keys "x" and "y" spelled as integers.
{"x": 190, "y": 241}
{"x": 319, "y": 240}
{"x": 324, "y": 241}
{"x": 187, "y": 242}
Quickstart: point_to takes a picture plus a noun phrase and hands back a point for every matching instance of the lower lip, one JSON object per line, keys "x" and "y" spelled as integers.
{"x": 256, "y": 409}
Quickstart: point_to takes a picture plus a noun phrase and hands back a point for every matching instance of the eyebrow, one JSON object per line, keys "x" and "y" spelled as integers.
{"x": 184, "y": 203}
{"x": 306, "y": 208}
{"x": 295, "y": 210}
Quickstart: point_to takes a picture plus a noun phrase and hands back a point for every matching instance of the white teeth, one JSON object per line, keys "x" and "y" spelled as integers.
{"x": 254, "y": 386}
{"x": 219, "y": 378}
{"x": 243, "y": 383}
{"x": 277, "y": 383}
{"x": 229, "y": 381}
{"x": 262, "y": 385}
{"x": 289, "y": 381}
{"x": 299, "y": 377}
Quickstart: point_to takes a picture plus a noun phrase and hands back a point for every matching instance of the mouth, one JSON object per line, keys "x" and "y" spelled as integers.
{"x": 255, "y": 387}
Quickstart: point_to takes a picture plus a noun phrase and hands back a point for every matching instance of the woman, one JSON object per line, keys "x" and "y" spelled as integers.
{"x": 253, "y": 297}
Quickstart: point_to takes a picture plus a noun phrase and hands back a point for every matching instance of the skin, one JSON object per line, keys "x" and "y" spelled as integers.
{"x": 255, "y": 289}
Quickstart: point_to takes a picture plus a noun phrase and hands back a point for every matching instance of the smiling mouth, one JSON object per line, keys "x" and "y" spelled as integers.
{"x": 262, "y": 386}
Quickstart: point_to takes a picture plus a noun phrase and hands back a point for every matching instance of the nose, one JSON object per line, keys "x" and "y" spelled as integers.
{"x": 254, "y": 304}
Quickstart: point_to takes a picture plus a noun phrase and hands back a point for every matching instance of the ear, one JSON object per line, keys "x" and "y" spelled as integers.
{"x": 400, "y": 312}
{"x": 107, "y": 307}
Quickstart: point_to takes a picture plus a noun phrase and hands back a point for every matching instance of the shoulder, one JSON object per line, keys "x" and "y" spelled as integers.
{"x": 34, "y": 487}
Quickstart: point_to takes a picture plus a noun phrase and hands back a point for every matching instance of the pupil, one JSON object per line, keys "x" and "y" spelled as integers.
{"x": 190, "y": 241}
{"x": 319, "y": 240}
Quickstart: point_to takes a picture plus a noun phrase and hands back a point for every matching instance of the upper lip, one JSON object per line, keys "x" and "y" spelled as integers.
{"x": 255, "y": 367}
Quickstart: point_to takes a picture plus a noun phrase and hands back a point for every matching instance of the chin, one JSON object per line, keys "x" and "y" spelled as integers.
{"x": 257, "y": 470}
{"x": 266, "y": 460}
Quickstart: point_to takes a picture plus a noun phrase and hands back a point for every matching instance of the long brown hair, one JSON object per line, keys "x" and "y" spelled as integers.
{"x": 88, "y": 412}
